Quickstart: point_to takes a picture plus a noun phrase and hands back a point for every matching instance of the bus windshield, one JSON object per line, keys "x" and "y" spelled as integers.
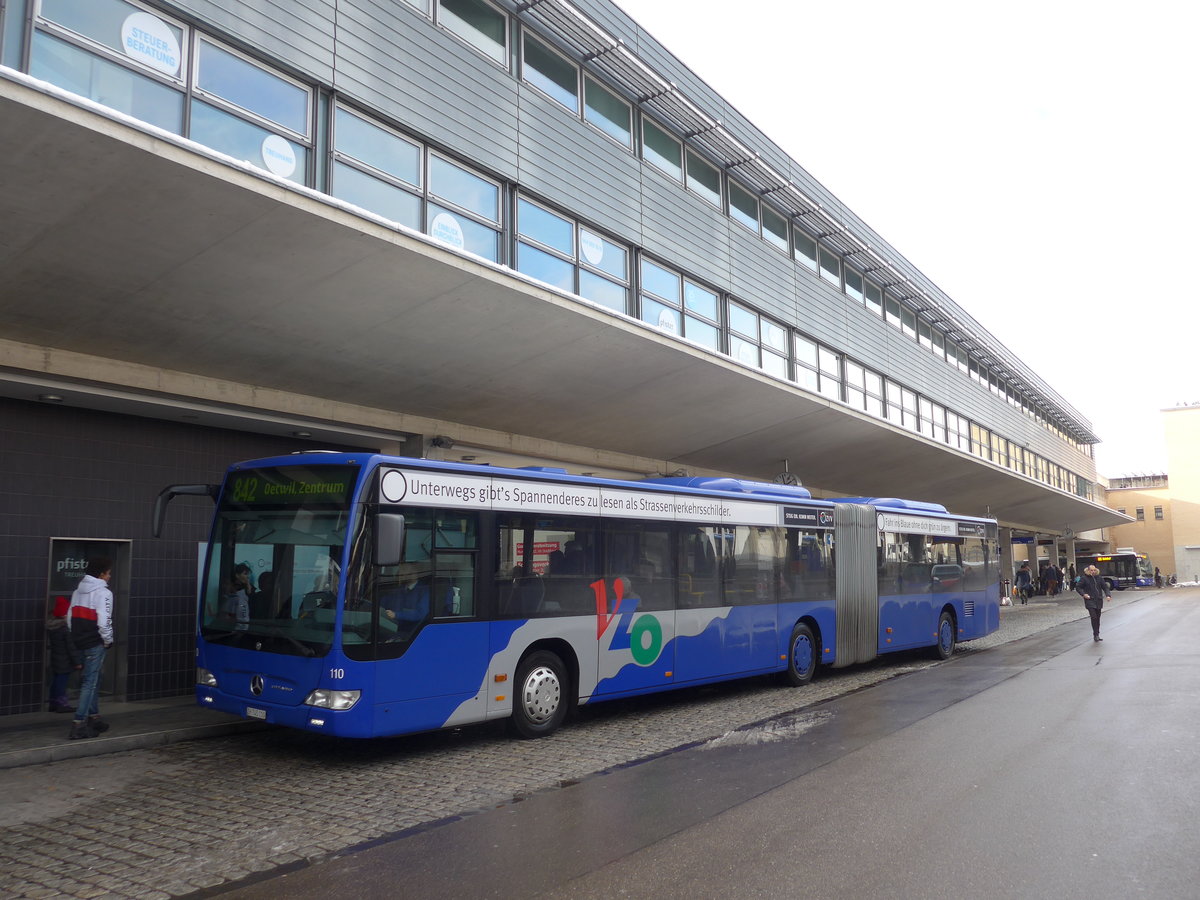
{"x": 274, "y": 567}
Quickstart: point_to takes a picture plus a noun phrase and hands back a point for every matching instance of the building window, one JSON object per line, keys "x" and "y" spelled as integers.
{"x": 939, "y": 344}
{"x": 818, "y": 368}
{"x": 607, "y": 111}
{"x": 958, "y": 432}
{"x": 874, "y": 297}
{"x": 662, "y": 150}
{"x": 1121, "y": 510}
{"x": 891, "y": 311}
{"x": 679, "y": 306}
{"x": 933, "y": 419}
{"x": 1140, "y": 513}
{"x": 854, "y": 284}
{"x": 463, "y": 209}
{"x": 774, "y": 229}
{"x": 757, "y": 341}
{"x": 554, "y": 76}
{"x": 376, "y": 169}
{"x": 925, "y": 335}
{"x": 831, "y": 266}
{"x": 743, "y": 206}
{"x": 703, "y": 179}
{"x": 560, "y": 252}
{"x": 1158, "y": 513}
{"x": 804, "y": 249}
{"x": 84, "y": 48}
{"x": 250, "y": 112}
{"x": 478, "y": 24}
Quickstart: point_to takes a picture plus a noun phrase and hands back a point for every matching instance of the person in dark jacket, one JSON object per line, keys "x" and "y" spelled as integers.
{"x": 64, "y": 658}
{"x": 1094, "y": 591}
{"x": 1024, "y": 583}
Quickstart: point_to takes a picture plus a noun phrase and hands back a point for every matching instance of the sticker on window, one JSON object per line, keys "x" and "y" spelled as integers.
{"x": 278, "y": 156}
{"x": 150, "y": 41}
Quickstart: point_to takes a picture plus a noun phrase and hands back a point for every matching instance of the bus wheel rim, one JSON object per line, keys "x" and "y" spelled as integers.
{"x": 541, "y": 694}
{"x": 802, "y": 654}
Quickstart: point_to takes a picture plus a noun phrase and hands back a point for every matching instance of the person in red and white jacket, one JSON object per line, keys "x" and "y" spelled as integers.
{"x": 90, "y": 620}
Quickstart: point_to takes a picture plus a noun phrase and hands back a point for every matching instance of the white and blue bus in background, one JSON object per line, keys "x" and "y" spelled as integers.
{"x": 362, "y": 595}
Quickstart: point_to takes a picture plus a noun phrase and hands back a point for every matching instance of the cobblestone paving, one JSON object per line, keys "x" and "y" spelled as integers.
{"x": 174, "y": 820}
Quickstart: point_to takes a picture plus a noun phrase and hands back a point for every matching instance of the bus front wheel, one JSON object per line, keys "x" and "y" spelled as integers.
{"x": 540, "y": 704}
{"x": 944, "y": 648}
{"x": 802, "y": 656}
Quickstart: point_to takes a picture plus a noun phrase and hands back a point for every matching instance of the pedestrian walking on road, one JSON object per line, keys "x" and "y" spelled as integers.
{"x": 64, "y": 658}
{"x": 90, "y": 620}
{"x": 1024, "y": 582}
{"x": 1094, "y": 591}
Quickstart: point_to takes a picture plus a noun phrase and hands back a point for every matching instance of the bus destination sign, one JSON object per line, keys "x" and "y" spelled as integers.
{"x": 292, "y": 486}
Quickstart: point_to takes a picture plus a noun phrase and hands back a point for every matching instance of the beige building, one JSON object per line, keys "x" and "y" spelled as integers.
{"x": 1147, "y": 498}
{"x": 1182, "y": 425}
{"x": 1165, "y": 508}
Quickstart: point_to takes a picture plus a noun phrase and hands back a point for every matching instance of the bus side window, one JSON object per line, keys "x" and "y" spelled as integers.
{"x": 699, "y": 569}
{"x": 454, "y": 584}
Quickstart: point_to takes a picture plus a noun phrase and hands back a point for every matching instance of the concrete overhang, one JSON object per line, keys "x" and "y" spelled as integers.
{"x": 122, "y": 242}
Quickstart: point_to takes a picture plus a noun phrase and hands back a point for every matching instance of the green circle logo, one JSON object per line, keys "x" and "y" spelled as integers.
{"x": 645, "y": 640}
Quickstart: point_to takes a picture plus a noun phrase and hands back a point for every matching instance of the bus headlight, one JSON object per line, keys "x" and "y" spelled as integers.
{"x": 327, "y": 699}
{"x": 205, "y": 678}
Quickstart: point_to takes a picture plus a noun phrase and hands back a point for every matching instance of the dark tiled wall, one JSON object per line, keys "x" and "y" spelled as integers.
{"x": 68, "y": 472}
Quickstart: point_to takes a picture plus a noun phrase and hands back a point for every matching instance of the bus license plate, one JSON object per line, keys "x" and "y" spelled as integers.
{"x": 253, "y": 713}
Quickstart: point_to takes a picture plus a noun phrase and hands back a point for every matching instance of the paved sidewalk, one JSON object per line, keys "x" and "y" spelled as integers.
{"x": 36, "y": 738}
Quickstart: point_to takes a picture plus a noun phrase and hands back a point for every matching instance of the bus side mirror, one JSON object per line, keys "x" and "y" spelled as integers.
{"x": 389, "y": 539}
{"x": 168, "y": 493}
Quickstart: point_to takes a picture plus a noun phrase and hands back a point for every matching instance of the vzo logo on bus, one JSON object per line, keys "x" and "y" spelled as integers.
{"x": 641, "y": 634}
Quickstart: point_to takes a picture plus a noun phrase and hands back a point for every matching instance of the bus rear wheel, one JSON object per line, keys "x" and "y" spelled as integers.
{"x": 540, "y": 702}
{"x": 802, "y": 656}
{"x": 944, "y": 648}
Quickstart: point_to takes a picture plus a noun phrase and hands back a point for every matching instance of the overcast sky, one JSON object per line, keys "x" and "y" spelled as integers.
{"x": 1037, "y": 160}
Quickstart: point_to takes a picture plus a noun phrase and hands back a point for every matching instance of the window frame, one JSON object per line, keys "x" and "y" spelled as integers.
{"x": 688, "y": 156}
{"x": 187, "y": 38}
{"x": 526, "y": 37}
{"x": 501, "y": 59}
{"x": 670, "y": 173}
{"x": 216, "y": 100}
{"x": 590, "y": 81}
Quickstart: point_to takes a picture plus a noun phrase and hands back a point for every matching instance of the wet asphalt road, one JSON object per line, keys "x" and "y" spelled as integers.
{"x": 1049, "y": 767}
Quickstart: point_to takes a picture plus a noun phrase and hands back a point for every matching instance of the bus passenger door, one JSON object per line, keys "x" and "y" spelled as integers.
{"x": 635, "y": 636}
{"x": 635, "y": 608}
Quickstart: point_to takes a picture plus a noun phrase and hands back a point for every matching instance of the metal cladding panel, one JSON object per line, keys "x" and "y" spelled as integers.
{"x": 821, "y": 310}
{"x": 682, "y": 230}
{"x": 857, "y": 601}
{"x": 761, "y": 275}
{"x": 301, "y": 33}
{"x": 565, "y": 160}
{"x": 868, "y": 341}
{"x": 392, "y": 60}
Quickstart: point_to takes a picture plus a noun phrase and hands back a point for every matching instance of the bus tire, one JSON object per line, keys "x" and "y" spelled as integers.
{"x": 944, "y": 648}
{"x": 802, "y": 656}
{"x": 540, "y": 696}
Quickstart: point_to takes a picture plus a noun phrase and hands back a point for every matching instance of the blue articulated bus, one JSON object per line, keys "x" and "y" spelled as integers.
{"x": 363, "y": 595}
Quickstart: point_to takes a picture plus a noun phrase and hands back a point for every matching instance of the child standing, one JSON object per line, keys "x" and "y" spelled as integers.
{"x": 64, "y": 658}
